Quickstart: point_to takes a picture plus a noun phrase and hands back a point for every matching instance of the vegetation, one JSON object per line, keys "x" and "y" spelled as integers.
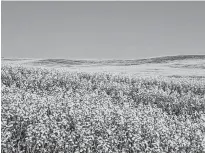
{"x": 70, "y": 63}
{"x": 51, "y": 111}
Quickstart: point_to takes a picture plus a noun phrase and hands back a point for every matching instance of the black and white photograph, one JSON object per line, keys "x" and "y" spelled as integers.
{"x": 102, "y": 76}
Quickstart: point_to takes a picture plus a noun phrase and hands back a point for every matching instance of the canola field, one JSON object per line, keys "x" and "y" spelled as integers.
{"x": 50, "y": 111}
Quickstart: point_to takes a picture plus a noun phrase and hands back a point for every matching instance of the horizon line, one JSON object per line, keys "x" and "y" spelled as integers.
{"x": 151, "y": 57}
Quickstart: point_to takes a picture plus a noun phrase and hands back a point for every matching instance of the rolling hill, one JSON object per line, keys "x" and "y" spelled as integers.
{"x": 180, "y": 66}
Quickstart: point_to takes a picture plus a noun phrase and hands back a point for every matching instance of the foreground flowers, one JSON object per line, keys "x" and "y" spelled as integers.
{"x": 53, "y": 111}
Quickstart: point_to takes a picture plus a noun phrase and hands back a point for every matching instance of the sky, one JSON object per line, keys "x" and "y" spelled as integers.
{"x": 102, "y": 30}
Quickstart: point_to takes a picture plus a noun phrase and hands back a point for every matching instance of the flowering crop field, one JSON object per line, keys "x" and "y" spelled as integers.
{"x": 45, "y": 110}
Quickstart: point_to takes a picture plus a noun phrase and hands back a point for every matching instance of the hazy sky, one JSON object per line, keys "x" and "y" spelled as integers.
{"x": 102, "y": 30}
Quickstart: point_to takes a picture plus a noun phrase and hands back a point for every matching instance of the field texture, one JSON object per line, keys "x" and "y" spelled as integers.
{"x": 178, "y": 66}
{"x": 47, "y": 110}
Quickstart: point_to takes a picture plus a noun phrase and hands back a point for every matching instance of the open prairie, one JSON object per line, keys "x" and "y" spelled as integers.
{"x": 154, "y": 105}
{"x": 171, "y": 66}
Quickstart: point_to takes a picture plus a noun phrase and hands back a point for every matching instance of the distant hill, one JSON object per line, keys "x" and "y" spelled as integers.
{"x": 69, "y": 63}
{"x": 173, "y": 58}
{"x": 172, "y": 66}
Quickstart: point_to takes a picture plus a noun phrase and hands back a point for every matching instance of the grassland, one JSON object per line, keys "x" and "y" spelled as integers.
{"x": 184, "y": 66}
{"x": 46, "y": 109}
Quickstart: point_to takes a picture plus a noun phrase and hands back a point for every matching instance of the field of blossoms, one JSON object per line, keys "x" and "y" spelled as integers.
{"x": 49, "y": 111}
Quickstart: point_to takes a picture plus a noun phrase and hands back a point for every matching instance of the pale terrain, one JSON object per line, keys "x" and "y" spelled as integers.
{"x": 171, "y": 66}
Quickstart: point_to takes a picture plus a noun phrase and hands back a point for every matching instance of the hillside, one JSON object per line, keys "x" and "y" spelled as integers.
{"x": 177, "y": 66}
{"x": 68, "y": 62}
{"x": 49, "y": 107}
